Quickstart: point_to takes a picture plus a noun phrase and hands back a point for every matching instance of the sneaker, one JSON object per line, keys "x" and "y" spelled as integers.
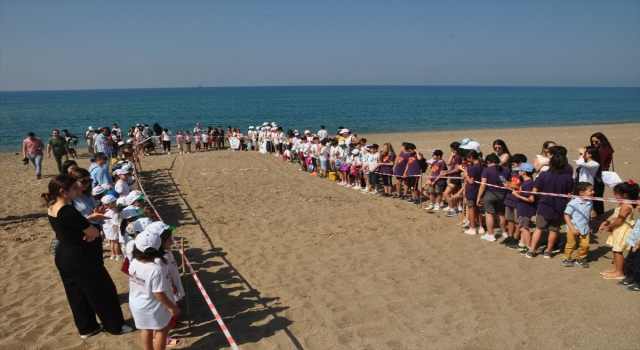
{"x": 410, "y": 200}
{"x": 626, "y": 281}
{"x": 547, "y": 255}
{"x": 429, "y": 207}
{"x": 523, "y": 251}
{"x": 365, "y": 191}
{"x": 436, "y": 207}
{"x": 556, "y": 249}
{"x": 530, "y": 255}
{"x": 523, "y": 248}
{"x": 567, "y": 263}
{"x": 503, "y": 234}
{"x": 417, "y": 202}
{"x": 541, "y": 249}
{"x": 374, "y": 192}
{"x": 513, "y": 245}
{"x": 582, "y": 263}
{"x": 459, "y": 209}
{"x": 169, "y": 152}
{"x": 113, "y": 257}
{"x": 386, "y": 195}
{"x": 481, "y": 230}
{"x": 471, "y": 231}
{"x": 86, "y": 336}
{"x": 444, "y": 206}
{"x": 451, "y": 213}
{"x": 119, "y": 257}
{"x": 488, "y": 237}
{"x": 126, "y": 329}
{"x": 507, "y": 240}
{"x": 634, "y": 287}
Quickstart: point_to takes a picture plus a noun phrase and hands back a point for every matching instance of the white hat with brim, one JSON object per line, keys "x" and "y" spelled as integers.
{"x": 141, "y": 224}
{"x": 134, "y": 196}
{"x": 108, "y": 199}
{"x": 158, "y": 227}
{"x": 146, "y": 241}
{"x": 97, "y": 190}
{"x": 121, "y": 201}
{"x": 472, "y": 145}
{"x": 344, "y": 130}
{"x": 129, "y": 213}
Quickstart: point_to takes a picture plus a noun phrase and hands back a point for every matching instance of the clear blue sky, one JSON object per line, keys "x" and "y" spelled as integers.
{"x": 51, "y": 44}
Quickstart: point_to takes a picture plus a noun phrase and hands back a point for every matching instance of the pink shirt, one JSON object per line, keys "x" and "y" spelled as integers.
{"x": 33, "y": 147}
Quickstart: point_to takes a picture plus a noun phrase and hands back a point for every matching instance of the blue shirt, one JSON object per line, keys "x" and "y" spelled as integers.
{"x": 99, "y": 175}
{"x": 100, "y": 140}
{"x": 634, "y": 236}
{"x": 580, "y": 213}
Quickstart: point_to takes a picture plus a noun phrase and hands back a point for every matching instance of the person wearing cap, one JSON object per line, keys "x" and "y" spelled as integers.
{"x": 525, "y": 207}
{"x": 151, "y": 299}
{"x": 122, "y": 185}
{"x": 132, "y": 223}
{"x": 32, "y": 149}
{"x": 58, "y": 145}
{"x": 111, "y": 228}
{"x": 251, "y": 138}
{"x": 98, "y": 173}
{"x": 468, "y": 143}
{"x": 88, "y": 286}
{"x": 88, "y": 136}
{"x": 98, "y": 192}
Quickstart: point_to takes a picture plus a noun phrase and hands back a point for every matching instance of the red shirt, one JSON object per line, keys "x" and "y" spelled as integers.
{"x": 33, "y": 147}
{"x": 607, "y": 158}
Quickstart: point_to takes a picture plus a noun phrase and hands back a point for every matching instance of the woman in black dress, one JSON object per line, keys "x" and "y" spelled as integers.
{"x": 89, "y": 288}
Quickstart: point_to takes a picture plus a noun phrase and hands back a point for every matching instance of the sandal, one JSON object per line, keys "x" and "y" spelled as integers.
{"x": 171, "y": 342}
{"x": 612, "y": 277}
{"x": 604, "y": 273}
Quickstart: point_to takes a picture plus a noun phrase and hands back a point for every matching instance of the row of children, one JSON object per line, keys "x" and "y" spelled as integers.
{"x": 498, "y": 188}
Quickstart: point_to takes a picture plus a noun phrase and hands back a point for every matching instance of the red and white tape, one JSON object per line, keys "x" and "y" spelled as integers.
{"x": 230, "y": 339}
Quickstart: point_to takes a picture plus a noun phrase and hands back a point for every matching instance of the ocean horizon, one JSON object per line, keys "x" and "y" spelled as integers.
{"x": 362, "y": 109}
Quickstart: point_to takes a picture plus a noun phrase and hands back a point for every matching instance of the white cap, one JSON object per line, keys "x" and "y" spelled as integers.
{"x": 97, "y": 190}
{"x": 129, "y": 140}
{"x": 128, "y": 213}
{"x": 355, "y": 151}
{"x": 344, "y": 130}
{"x": 146, "y": 240}
{"x": 251, "y": 127}
{"x": 157, "y": 228}
{"x": 307, "y": 132}
{"x": 121, "y": 201}
{"x": 120, "y": 143}
{"x": 90, "y": 128}
{"x": 262, "y": 129}
{"x": 108, "y": 199}
{"x": 472, "y": 145}
{"x": 141, "y": 224}
{"x": 134, "y": 196}
{"x": 265, "y": 124}
{"x": 123, "y": 171}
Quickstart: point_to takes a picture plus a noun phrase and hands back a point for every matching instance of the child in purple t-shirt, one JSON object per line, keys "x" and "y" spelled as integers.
{"x": 511, "y": 202}
{"x": 434, "y": 187}
{"x": 491, "y": 198}
{"x": 526, "y": 207}
{"x": 471, "y": 174}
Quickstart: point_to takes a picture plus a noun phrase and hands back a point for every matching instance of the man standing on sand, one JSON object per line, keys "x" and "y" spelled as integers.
{"x": 105, "y": 145}
{"x": 88, "y": 135}
{"x": 58, "y": 144}
{"x": 32, "y": 147}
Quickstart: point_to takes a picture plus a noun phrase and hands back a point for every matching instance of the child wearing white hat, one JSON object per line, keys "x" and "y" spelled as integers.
{"x": 111, "y": 227}
{"x": 151, "y": 299}
{"x": 122, "y": 186}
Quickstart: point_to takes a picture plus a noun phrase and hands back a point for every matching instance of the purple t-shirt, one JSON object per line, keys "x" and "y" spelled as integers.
{"x": 436, "y": 168}
{"x": 493, "y": 178}
{"x": 413, "y": 165}
{"x": 388, "y": 158}
{"x": 473, "y": 171}
{"x": 549, "y": 207}
{"x": 568, "y": 169}
{"x": 401, "y": 164}
{"x": 526, "y": 209}
{"x": 510, "y": 200}
{"x": 454, "y": 163}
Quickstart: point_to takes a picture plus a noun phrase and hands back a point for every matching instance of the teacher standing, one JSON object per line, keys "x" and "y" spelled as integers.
{"x": 89, "y": 288}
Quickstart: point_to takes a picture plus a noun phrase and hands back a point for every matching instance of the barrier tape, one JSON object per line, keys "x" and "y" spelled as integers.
{"x": 230, "y": 339}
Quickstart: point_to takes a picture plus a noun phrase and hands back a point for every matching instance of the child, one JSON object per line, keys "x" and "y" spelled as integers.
{"x": 356, "y": 165}
{"x": 619, "y": 225}
{"x": 196, "y": 139}
{"x": 413, "y": 172}
{"x": 492, "y": 198}
{"x": 633, "y": 260}
{"x": 187, "y": 140}
{"x": 510, "y": 201}
{"x": 434, "y": 187}
{"x": 454, "y": 184}
{"x": 526, "y": 207}
{"x": 205, "y": 141}
{"x": 150, "y": 298}
{"x": 122, "y": 186}
{"x": 111, "y": 228}
{"x": 323, "y": 155}
{"x": 372, "y": 165}
{"x": 578, "y": 215}
{"x": 399, "y": 171}
{"x": 472, "y": 174}
{"x": 387, "y": 159}
{"x": 180, "y": 141}
{"x": 172, "y": 265}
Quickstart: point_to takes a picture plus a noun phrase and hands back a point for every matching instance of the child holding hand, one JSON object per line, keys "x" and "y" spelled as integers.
{"x": 577, "y": 215}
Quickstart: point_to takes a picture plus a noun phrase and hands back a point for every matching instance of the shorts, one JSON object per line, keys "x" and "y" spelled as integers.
{"x": 373, "y": 179}
{"x": 456, "y": 182}
{"x": 470, "y": 202}
{"x": 551, "y": 225}
{"x": 510, "y": 213}
{"x": 338, "y": 163}
{"x": 180, "y": 145}
{"x": 434, "y": 189}
{"x": 72, "y": 150}
{"x": 412, "y": 182}
{"x": 493, "y": 203}
{"x": 323, "y": 164}
{"x": 524, "y": 221}
{"x": 386, "y": 180}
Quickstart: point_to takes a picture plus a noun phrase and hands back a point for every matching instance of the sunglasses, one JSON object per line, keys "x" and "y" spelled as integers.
{"x": 595, "y": 141}
{"x": 85, "y": 181}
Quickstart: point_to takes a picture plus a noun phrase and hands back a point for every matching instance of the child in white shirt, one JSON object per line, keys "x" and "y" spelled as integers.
{"x": 122, "y": 185}
{"x": 111, "y": 227}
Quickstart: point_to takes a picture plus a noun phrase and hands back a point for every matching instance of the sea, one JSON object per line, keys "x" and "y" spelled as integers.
{"x": 362, "y": 109}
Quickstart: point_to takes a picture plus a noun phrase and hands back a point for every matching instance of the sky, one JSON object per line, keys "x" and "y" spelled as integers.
{"x": 70, "y": 45}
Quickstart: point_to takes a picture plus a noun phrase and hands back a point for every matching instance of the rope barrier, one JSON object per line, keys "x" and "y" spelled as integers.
{"x": 230, "y": 339}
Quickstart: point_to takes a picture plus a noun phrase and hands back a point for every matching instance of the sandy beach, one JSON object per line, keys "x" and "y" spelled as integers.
{"x": 295, "y": 262}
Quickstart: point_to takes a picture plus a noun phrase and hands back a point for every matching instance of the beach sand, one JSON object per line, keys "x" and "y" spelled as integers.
{"x": 292, "y": 261}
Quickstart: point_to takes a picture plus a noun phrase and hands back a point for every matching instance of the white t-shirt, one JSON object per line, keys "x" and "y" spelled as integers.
{"x": 109, "y": 226}
{"x": 205, "y": 138}
{"x": 122, "y": 188}
{"x": 174, "y": 274}
{"x": 372, "y": 160}
{"x": 323, "y": 134}
{"x": 166, "y": 136}
{"x": 144, "y": 280}
{"x": 542, "y": 159}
